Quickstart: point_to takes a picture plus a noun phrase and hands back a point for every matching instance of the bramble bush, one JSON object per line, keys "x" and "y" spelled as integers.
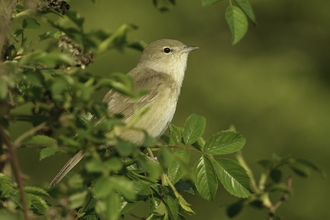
{"x": 56, "y": 90}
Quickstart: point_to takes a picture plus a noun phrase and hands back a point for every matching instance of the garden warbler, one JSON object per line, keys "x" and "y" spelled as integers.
{"x": 160, "y": 72}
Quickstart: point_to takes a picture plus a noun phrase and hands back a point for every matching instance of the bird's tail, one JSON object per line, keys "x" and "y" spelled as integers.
{"x": 67, "y": 167}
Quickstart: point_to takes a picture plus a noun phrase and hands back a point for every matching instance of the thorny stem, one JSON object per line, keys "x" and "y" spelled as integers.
{"x": 16, "y": 169}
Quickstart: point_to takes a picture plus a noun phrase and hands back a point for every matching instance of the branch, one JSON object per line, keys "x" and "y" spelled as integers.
{"x": 17, "y": 142}
{"x": 16, "y": 169}
{"x": 284, "y": 197}
{"x": 187, "y": 148}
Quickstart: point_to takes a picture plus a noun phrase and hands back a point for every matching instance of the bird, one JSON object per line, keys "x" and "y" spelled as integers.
{"x": 160, "y": 71}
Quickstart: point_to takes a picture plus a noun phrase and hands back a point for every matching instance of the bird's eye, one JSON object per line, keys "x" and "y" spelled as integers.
{"x": 167, "y": 50}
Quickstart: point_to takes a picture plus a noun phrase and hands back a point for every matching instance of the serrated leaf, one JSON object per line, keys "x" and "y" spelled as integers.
{"x": 102, "y": 187}
{"x": 175, "y": 135}
{"x": 205, "y": 178}
{"x": 30, "y": 23}
{"x": 165, "y": 157}
{"x": 109, "y": 208}
{"x": 124, "y": 186}
{"x": 176, "y": 169}
{"x": 224, "y": 142}
{"x": 209, "y": 2}
{"x": 193, "y": 129}
{"x": 36, "y": 191}
{"x": 237, "y": 22}
{"x": 41, "y": 141}
{"x": 128, "y": 206}
{"x": 141, "y": 188}
{"x": 38, "y": 204}
{"x": 246, "y": 7}
{"x": 47, "y": 152}
{"x": 233, "y": 177}
{"x": 113, "y": 164}
{"x": 185, "y": 187}
{"x": 172, "y": 207}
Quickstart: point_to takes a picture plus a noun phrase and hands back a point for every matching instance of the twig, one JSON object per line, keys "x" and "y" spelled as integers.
{"x": 17, "y": 142}
{"x": 38, "y": 67}
{"x": 187, "y": 148}
{"x": 284, "y": 197}
{"x": 16, "y": 169}
{"x": 243, "y": 163}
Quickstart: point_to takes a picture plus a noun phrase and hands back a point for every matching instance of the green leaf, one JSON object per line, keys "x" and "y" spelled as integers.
{"x": 233, "y": 177}
{"x": 124, "y": 186}
{"x": 7, "y": 188}
{"x": 246, "y": 7}
{"x": 209, "y": 2}
{"x": 205, "y": 178}
{"x": 102, "y": 187}
{"x": 94, "y": 166}
{"x": 36, "y": 191}
{"x": 176, "y": 169}
{"x": 41, "y": 141}
{"x": 303, "y": 167}
{"x": 235, "y": 208}
{"x": 193, "y": 129}
{"x": 78, "y": 199}
{"x": 175, "y": 135}
{"x": 172, "y": 207}
{"x": 141, "y": 188}
{"x": 47, "y": 152}
{"x": 30, "y": 23}
{"x": 237, "y": 22}
{"x": 224, "y": 142}
{"x": 275, "y": 175}
{"x": 113, "y": 164}
{"x": 128, "y": 206}
{"x": 165, "y": 157}
{"x": 38, "y": 204}
{"x": 109, "y": 208}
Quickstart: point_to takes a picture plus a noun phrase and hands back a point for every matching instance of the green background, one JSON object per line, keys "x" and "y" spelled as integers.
{"x": 273, "y": 86}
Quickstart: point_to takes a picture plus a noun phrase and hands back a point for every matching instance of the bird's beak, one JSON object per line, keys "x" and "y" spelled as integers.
{"x": 188, "y": 49}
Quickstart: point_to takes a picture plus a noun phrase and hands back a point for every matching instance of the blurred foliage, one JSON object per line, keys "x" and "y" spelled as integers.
{"x": 49, "y": 88}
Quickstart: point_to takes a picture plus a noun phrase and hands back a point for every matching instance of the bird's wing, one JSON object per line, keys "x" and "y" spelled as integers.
{"x": 67, "y": 167}
{"x": 148, "y": 80}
